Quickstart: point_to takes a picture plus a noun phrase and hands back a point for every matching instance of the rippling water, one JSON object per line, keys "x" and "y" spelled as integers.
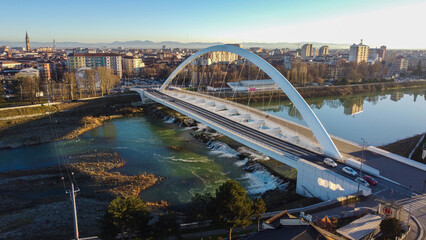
{"x": 145, "y": 144}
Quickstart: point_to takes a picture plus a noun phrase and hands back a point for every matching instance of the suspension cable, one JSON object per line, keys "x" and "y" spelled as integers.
{"x": 251, "y": 92}
{"x": 242, "y": 67}
{"x": 224, "y": 76}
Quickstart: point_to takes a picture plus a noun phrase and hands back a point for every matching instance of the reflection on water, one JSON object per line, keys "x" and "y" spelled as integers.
{"x": 380, "y": 118}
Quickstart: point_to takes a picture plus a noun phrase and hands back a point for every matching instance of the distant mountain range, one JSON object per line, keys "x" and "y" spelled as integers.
{"x": 169, "y": 44}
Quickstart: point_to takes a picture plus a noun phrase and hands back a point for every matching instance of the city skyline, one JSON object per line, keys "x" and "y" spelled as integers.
{"x": 378, "y": 23}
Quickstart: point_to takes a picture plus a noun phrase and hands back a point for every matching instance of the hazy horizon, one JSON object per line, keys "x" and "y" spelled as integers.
{"x": 391, "y": 23}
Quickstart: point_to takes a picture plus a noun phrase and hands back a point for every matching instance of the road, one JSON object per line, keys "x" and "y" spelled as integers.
{"x": 384, "y": 189}
{"x": 416, "y": 207}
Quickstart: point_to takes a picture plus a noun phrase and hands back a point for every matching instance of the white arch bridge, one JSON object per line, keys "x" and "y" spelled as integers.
{"x": 248, "y": 126}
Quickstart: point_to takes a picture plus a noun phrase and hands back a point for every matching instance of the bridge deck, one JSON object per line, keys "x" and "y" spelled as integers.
{"x": 389, "y": 168}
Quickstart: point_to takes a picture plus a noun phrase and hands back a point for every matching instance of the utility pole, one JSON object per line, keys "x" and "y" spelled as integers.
{"x": 72, "y": 193}
{"x": 362, "y": 157}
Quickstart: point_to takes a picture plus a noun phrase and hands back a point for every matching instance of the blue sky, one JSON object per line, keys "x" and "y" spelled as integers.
{"x": 396, "y": 24}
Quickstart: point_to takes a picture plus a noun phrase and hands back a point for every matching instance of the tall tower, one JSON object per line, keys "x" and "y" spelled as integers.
{"x": 54, "y": 44}
{"x": 27, "y": 40}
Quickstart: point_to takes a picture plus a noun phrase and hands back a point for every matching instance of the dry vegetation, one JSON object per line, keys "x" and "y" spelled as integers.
{"x": 98, "y": 167}
{"x": 33, "y": 204}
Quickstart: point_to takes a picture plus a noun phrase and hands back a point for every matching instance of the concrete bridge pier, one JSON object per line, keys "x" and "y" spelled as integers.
{"x": 320, "y": 182}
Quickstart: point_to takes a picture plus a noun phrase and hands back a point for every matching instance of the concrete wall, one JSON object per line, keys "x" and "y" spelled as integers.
{"x": 317, "y": 181}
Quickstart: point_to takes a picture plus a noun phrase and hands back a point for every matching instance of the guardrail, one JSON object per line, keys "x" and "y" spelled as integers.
{"x": 398, "y": 158}
{"x": 365, "y": 168}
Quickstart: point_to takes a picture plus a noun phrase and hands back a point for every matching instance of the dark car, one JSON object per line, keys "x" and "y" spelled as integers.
{"x": 370, "y": 180}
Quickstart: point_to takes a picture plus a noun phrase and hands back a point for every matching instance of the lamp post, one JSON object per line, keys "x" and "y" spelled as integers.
{"x": 362, "y": 157}
{"x": 409, "y": 211}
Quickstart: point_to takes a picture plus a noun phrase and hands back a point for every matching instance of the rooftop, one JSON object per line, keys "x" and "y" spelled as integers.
{"x": 360, "y": 227}
{"x": 92, "y": 54}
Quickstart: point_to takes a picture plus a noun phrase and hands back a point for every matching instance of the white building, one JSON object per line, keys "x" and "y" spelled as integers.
{"x": 254, "y": 85}
{"x": 28, "y": 72}
{"x": 132, "y": 65}
{"x": 400, "y": 64}
{"x": 359, "y": 53}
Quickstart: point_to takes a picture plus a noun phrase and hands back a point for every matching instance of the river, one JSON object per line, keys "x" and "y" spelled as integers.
{"x": 379, "y": 118}
{"x": 146, "y": 143}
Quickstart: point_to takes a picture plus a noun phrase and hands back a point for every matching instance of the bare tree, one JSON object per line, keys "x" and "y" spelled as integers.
{"x": 90, "y": 81}
{"x": 70, "y": 80}
{"x": 108, "y": 80}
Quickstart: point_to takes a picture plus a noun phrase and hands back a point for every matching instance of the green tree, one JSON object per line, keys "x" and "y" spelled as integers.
{"x": 232, "y": 206}
{"x": 259, "y": 208}
{"x": 199, "y": 209}
{"x": 126, "y": 214}
{"x": 391, "y": 228}
{"x": 166, "y": 225}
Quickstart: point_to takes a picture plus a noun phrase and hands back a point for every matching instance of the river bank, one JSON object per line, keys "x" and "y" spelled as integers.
{"x": 406, "y": 147}
{"x": 34, "y": 204}
{"x": 319, "y": 91}
{"x": 31, "y": 126}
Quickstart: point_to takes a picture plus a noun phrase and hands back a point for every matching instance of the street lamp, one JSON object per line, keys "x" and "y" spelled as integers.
{"x": 362, "y": 157}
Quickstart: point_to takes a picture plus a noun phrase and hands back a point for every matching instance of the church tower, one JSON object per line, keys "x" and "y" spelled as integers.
{"x": 27, "y": 40}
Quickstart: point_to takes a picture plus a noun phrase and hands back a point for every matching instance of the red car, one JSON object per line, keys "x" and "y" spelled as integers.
{"x": 370, "y": 180}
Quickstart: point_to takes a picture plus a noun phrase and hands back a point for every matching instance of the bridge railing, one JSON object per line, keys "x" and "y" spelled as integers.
{"x": 315, "y": 146}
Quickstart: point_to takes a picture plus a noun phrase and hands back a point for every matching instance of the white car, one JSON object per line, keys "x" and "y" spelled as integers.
{"x": 330, "y": 162}
{"x": 362, "y": 181}
{"x": 349, "y": 171}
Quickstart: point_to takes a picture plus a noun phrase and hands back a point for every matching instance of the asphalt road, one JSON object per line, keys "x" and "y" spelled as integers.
{"x": 385, "y": 189}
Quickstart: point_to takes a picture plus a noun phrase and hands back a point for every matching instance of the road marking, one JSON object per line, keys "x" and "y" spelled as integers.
{"x": 416, "y": 205}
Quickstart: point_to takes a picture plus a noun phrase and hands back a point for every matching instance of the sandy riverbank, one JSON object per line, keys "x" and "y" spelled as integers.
{"x": 63, "y": 121}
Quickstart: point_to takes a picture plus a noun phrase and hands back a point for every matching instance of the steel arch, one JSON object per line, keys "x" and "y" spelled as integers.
{"x": 308, "y": 115}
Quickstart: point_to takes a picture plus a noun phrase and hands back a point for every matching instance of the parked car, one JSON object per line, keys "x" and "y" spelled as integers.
{"x": 330, "y": 162}
{"x": 370, "y": 180}
{"x": 362, "y": 181}
{"x": 349, "y": 171}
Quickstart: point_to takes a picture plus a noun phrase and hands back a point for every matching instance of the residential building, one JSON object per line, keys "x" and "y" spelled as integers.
{"x": 359, "y": 53}
{"x": 218, "y": 57}
{"x": 94, "y": 60}
{"x": 28, "y": 72}
{"x": 400, "y": 64}
{"x": 307, "y": 50}
{"x": 314, "y": 52}
{"x": 323, "y": 51}
{"x": 45, "y": 70}
{"x": 9, "y": 64}
{"x": 382, "y": 52}
{"x": 132, "y": 65}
